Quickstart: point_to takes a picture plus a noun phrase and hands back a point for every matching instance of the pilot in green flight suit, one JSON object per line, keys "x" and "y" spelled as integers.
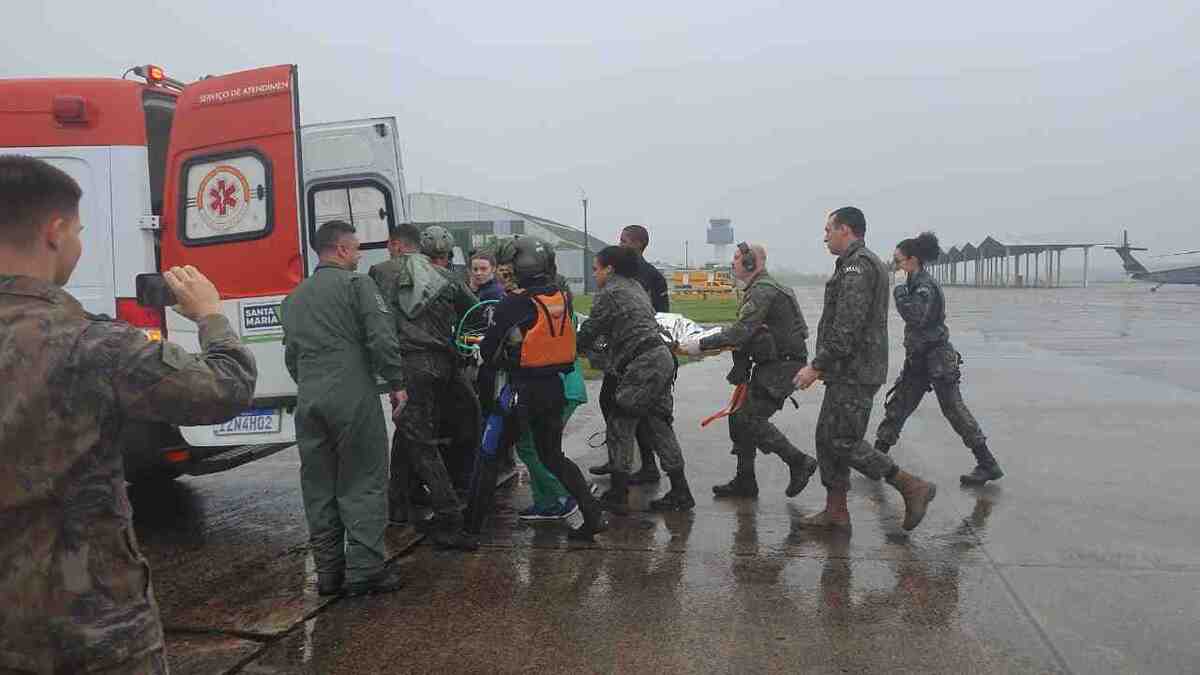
{"x": 338, "y": 333}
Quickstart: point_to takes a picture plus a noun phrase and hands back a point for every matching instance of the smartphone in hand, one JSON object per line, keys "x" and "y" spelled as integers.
{"x": 153, "y": 291}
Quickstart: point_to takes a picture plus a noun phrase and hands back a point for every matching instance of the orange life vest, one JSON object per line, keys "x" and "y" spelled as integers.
{"x": 550, "y": 341}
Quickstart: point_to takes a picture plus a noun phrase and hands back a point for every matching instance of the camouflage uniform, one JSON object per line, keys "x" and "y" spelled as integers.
{"x": 769, "y": 349}
{"x": 931, "y": 363}
{"x": 425, "y": 328}
{"x": 851, "y": 353}
{"x": 75, "y": 592}
{"x": 337, "y": 335}
{"x": 637, "y": 354}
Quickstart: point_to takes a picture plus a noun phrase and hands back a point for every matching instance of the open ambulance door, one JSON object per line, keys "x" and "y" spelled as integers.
{"x": 352, "y": 173}
{"x": 232, "y": 208}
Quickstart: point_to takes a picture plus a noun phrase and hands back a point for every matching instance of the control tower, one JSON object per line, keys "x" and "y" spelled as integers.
{"x": 720, "y": 235}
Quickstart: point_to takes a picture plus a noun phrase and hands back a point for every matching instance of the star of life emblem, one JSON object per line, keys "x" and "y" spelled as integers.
{"x": 223, "y": 198}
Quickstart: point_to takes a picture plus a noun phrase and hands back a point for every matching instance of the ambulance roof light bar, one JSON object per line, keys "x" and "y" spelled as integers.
{"x": 157, "y": 76}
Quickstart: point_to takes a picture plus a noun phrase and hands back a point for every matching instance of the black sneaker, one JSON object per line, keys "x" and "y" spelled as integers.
{"x": 602, "y": 470}
{"x": 592, "y": 525}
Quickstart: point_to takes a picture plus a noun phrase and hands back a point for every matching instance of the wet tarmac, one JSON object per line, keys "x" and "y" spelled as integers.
{"x": 1085, "y": 558}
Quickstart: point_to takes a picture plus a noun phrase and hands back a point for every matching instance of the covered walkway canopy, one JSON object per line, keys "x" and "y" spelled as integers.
{"x": 999, "y": 263}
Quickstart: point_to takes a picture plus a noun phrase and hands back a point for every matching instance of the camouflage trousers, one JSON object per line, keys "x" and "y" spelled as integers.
{"x": 841, "y": 426}
{"x": 939, "y": 370}
{"x": 645, "y": 437}
{"x": 435, "y": 385}
{"x": 751, "y": 429}
{"x": 643, "y": 398}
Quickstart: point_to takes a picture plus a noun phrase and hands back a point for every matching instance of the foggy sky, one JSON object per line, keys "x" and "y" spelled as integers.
{"x": 1047, "y": 120}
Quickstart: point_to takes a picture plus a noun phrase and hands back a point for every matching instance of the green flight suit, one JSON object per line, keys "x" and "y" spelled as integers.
{"x": 338, "y": 333}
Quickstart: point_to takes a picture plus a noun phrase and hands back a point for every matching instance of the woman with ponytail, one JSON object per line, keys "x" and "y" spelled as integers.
{"x": 931, "y": 362}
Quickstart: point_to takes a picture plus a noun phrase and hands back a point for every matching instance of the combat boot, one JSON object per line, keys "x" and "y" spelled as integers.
{"x": 986, "y": 468}
{"x": 917, "y": 495}
{"x": 446, "y": 531}
{"x": 387, "y": 581}
{"x": 679, "y": 498}
{"x": 802, "y": 468}
{"x": 616, "y": 498}
{"x": 330, "y": 583}
{"x": 835, "y": 515}
{"x": 742, "y": 485}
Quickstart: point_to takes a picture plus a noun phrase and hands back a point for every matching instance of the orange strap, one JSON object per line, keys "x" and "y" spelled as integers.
{"x": 735, "y": 404}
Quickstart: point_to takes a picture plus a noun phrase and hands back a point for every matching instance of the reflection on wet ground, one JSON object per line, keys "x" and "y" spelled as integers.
{"x": 1085, "y": 558}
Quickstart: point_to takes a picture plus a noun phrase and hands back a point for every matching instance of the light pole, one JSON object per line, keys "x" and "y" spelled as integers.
{"x": 587, "y": 253}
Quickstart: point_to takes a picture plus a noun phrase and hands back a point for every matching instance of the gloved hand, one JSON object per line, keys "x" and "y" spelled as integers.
{"x": 738, "y": 374}
{"x": 690, "y": 346}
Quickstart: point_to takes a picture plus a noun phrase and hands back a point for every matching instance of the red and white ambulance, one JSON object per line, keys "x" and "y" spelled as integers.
{"x": 218, "y": 174}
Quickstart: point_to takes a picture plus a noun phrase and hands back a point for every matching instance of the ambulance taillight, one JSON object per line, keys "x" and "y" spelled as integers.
{"x": 149, "y": 319}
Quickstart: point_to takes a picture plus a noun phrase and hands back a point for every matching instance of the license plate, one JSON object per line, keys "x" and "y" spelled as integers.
{"x": 257, "y": 421}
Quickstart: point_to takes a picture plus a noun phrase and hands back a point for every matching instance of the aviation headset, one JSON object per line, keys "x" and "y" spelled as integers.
{"x": 749, "y": 260}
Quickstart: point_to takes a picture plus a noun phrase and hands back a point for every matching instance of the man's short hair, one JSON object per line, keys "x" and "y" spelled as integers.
{"x": 484, "y": 255}
{"x": 639, "y": 234}
{"x": 329, "y": 234}
{"x": 406, "y": 233}
{"x": 32, "y": 192}
{"x": 851, "y": 217}
{"x": 624, "y": 261}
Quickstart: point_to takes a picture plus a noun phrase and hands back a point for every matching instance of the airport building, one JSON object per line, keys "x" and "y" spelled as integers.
{"x": 474, "y": 224}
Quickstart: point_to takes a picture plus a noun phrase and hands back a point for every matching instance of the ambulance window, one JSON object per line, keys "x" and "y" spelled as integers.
{"x": 363, "y": 204}
{"x": 227, "y": 198}
{"x": 160, "y": 111}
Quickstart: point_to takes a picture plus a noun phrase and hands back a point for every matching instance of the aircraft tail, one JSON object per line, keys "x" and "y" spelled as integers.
{"x": 1132, "y": 266}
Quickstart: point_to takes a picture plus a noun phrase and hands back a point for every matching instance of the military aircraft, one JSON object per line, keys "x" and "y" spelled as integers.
{"x": 1182, "y": 270}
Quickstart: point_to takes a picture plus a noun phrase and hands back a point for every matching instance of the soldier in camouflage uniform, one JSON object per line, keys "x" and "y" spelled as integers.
{"x": 459, "y": 401}
{"x": 931, "y": 362}
{"x": 769, "y": 348}
{"x": 851, "y": 357}
{"x": 426, "y": 302}
{"x": 645, "y": 369}
{"x": 338, "y": 334}
{"x": 75, "y": 592}
{"x": 637, "y": 237}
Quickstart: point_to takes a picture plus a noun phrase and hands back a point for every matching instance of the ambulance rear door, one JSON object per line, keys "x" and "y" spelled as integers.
{"x": 353, "y": 173}
{"x": 233, "y": 209}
